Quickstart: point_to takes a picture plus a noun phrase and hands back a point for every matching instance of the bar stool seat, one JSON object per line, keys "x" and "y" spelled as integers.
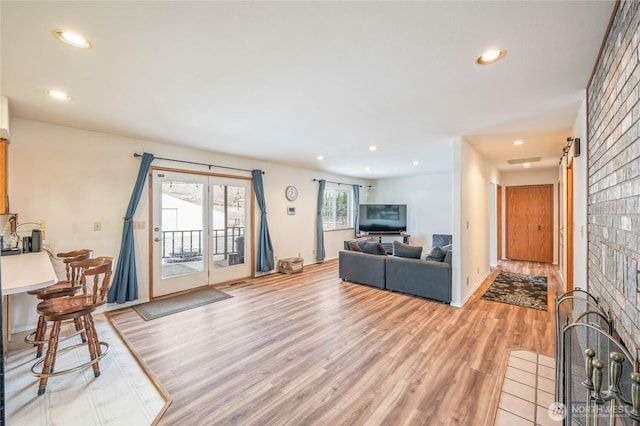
{"x": 80, "y": 309}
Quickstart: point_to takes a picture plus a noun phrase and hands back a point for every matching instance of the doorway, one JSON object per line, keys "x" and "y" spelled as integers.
{"x": 569, "y": 227}
{"x": 199, "y": 229}
{"x": 499, "y": 220}
{"x": 529, "y": 223}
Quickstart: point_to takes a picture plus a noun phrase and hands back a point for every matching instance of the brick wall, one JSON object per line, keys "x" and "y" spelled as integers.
{"x": 614, "y": 175}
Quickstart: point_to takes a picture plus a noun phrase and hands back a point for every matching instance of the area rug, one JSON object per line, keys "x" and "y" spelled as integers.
{"x": 528, "y": 291}
{"x": 182, "y": 302}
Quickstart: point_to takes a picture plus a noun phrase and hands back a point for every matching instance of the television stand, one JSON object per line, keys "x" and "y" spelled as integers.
{"x": 381, "y": 235}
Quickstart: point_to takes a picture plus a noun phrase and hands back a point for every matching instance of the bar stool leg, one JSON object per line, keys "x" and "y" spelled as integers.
{"x": 41, "y": 332}
{"x": 92, "y": 343}
{"x": 50, "y": 357}
{"x": 96, "y": 340}
{"x": 80, "y": 327}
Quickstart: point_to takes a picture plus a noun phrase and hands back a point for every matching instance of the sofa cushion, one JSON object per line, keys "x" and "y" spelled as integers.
{"x": 354, "y": 246}
{"x": 406, "y": 250}
{"x": 356, "y": 240}
{"x": 436, "y": 254}
{"x": 372, "y": 248}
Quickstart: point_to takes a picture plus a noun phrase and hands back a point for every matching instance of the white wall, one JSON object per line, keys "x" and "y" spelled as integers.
{"x": 473, "y": 175}
{"x": 533, "y": 176}
{"x": 493, "y": 225}
{"x": 73, "y": 178}
{"x": 429, "y": 200}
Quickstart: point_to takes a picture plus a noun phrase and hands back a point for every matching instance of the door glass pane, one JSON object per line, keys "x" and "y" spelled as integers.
{"x": 228, "y": 233}
{"x": 328, "y": 210}
{"x": 182, "y": 238}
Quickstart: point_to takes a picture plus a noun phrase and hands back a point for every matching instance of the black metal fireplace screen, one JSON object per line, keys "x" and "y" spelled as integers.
{"x": 597, "y": 376}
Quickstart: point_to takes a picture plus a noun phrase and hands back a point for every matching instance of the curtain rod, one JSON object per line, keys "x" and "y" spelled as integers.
{"x": 193, "y": 162}
{"x": 340, "y": 183}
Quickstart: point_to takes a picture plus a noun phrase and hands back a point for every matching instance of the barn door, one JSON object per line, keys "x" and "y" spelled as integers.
{"x": 530, "y": 223}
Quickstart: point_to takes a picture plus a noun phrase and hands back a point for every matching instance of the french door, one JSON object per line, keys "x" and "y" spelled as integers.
{"x": 200, "y": 230}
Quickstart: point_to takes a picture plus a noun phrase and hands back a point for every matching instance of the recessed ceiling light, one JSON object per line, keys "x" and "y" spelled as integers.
{"x": 56, "y": 94}
{"x": 367, "y": 169}
{"x": 373, "y": 148}
{"x": 526, "y": 165}
{"x": 491, "y": 56}
{"x": 415, "y": 163}
{"x": 320, "y": 157}
{"x": 518, "y": 142}
{"x": 72, "y": 39}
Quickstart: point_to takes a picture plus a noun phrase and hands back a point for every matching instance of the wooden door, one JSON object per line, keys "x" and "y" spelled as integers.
{"x": 529, "y": 230}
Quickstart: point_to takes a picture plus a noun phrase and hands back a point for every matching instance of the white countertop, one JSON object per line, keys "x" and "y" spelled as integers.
{"x": 26, "y": 271}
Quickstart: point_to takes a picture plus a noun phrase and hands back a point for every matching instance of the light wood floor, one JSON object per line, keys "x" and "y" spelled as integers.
{"x": 311, "y": 349}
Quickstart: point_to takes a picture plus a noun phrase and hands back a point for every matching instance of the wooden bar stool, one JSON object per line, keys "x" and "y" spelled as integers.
{"x": 76, "y": 307}
{"x": 67, "y": 287}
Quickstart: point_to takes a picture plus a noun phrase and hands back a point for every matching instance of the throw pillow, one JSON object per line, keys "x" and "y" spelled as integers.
{"x": 406, "y": 250}
{"x": 354, "y": 246}
{"x": 436, "y": 254}
{"x": 449, "y": 257}
{"x": 372, "y": 248}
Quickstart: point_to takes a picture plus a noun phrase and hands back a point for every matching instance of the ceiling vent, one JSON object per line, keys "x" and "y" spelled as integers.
{"x": 524, "y": 160}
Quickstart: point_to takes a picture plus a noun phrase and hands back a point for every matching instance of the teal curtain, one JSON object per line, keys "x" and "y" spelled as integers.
{"x": 319, "y": 227}
{"x": 356, "y": 208}
{"x": 125, "y": 279}
{"x": 265, "y": 248}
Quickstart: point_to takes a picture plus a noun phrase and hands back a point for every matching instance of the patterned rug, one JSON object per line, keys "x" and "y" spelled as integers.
{"x": 518, "y": 289}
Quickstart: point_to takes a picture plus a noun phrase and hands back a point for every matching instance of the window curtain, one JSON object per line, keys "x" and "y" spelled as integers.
{"x": 265, "y": 248}
{"x": 125, "y": 279}
{"x": 356, "y": 207}
{"x": 319, "y": 227}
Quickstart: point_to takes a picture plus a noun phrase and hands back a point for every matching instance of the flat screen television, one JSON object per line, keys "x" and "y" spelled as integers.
{"x": 383, "y": 218}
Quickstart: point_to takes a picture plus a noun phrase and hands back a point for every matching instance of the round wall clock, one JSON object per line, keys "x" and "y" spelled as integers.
{"x": 291, "y": 193}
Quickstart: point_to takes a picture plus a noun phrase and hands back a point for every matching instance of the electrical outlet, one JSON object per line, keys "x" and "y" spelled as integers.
{"x": 138, "y": 224}
{"x": 41, "y": 224}
{"x": 299, "y": 254}
{"x": 97, "y": 226}
{"x": 467, "y": 280}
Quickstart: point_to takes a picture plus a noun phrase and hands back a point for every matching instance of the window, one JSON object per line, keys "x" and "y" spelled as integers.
{"x": 337, "y": 209}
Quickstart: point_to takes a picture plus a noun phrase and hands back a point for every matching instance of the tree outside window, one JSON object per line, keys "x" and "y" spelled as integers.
{"x": 337, "y": 209}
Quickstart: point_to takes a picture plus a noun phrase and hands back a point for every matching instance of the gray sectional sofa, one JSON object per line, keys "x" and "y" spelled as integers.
{"x": 419, "y": 277}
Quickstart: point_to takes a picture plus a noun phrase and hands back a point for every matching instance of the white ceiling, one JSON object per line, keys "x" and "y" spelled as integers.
{"x": 288, "y": 81}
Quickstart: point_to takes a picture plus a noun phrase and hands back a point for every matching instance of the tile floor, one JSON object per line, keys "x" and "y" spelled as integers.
{"x": 122, "y": 395}
{"x": 527, "y": 391}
